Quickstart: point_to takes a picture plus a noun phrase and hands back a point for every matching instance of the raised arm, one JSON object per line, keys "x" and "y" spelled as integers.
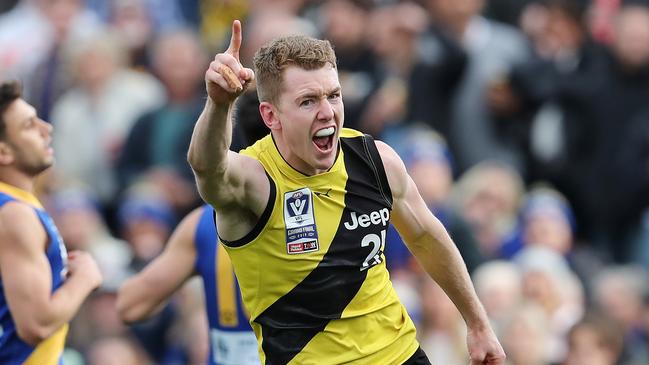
{"x": 429, "y": 242}
{"x": 144, "y": 294}
{"x": 222, "y": 175}
{"x": 26, "y": 275}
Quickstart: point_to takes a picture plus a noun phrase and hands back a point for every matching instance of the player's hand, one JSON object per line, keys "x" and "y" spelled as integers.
{"x": 484, "y": 348}
{"x": 226, "y": 78}
{"x": 81, "y": 264}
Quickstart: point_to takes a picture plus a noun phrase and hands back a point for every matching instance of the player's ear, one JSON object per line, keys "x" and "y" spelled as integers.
{"x": 6, "y": 153}
{"x": 269, "y": 115}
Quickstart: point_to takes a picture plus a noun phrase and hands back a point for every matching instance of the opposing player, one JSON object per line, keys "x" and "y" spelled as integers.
{"x": 41, "y": 286}
{"x": 193, "y": 249}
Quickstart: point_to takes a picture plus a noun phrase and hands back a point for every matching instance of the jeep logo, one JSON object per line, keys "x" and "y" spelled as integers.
{"x": 365, "y": 220}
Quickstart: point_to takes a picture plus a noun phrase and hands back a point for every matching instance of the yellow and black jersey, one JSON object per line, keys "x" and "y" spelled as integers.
{"x": 312, "y": 272}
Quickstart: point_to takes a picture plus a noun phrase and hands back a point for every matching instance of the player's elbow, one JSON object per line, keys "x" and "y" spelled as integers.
{"x": 214, "y": 165}
{"x": 194, "y": 161}
{"x": 127, "y": 311}
{"x": 33, "y": 333}
{"x": 130, "y": 317}
{"x": 132, "y": 307}
{"x": 200, "y": 164}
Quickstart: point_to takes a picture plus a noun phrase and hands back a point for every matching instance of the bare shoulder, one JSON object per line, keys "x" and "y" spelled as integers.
{"x": 394, "y": 169}
{"x": 244, "y": 185}
{"x": 250, "y": 166}
{"x": 21, "y": 233}
{"x": 250, "y": 193}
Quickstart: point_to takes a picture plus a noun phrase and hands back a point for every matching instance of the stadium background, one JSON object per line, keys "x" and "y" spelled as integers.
{"x": 525, "y": 124}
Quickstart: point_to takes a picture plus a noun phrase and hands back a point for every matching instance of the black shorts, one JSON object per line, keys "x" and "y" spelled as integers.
{"x": 418, "y": 358}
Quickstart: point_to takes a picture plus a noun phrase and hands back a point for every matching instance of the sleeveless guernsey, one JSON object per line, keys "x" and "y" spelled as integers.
{"x": 13, "y": 350}
{"x": 312, "y": 272}
{"x": 232, "y": 341}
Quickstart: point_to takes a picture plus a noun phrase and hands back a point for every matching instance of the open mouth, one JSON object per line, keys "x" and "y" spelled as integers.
{"x": 324, "y": 139}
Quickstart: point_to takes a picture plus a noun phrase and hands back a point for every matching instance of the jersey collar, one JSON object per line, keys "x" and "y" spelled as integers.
{"x": 20, "y": 194}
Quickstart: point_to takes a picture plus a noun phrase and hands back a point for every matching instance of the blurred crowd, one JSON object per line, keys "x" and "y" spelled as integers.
{"x": 524, "y": 124}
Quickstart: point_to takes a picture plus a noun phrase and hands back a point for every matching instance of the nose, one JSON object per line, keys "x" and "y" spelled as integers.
{"x": 326, "y": 110}
{"x": 46, "y": 128}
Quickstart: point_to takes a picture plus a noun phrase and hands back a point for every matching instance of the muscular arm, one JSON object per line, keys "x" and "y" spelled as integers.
{"x": 429, "y": 242}
{"x": 235, "y": 185}
{"x": 27, "y": 277}
{"x": 143, "y": 295}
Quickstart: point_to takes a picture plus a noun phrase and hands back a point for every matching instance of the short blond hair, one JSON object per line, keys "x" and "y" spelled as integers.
{"x": 301, "y": 51}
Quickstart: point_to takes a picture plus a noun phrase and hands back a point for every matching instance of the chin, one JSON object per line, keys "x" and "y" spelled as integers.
{"x": 325, "y": 163}
{"x": 46, "y": 165}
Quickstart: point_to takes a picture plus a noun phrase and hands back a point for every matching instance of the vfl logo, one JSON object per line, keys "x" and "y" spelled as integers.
{"x": 298, "y": 203}
{"x": 299, "y": 220}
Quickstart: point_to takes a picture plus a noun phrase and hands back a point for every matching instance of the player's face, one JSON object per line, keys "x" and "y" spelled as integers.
{"x": 27, "y": 138}
{"x": 311, "y": 115}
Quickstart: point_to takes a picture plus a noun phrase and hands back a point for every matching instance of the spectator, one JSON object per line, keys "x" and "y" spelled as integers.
{"x": 594, "y": 340}
{"x": 132, "y": 21}
{"x": 29, "y": 32}
{"x": 97, "y": 319}
{"x": 548, "y": 221}
{"x": 429, "y": 163}
{"x": 492, "y": 49}
{"x": 589, "y": 97}
{"x": 145, "y": 222}
{"x": 441, "y": 333}
{"x": 394, "y": 32}
{"x": 92, "y": 119}
{"x": 499, "y": 285}
{"x": 525, "y": 335}
{"x": 70, "y": 22}
{"x": 82, "y": 227}
{"x": 272, "y": 23}
{"x": 435, "y": 77}
{"x": 549, "y": 283}
{"x": 115, "y": 350}
{"x": 619, "y": 294}
{"x": 489, "y": 196}
{"x": 155, "y": 146}
{"x": 618, "y": 104}
{"x": 215, "y": 18}
{"x": 164, "y": 15}
{"x": 347, "y": 23}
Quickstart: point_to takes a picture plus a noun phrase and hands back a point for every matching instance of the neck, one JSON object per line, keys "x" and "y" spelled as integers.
{"x": 292, "y": 159}
{"x": 288, "y": 156}
{"x": 17, "y": 180}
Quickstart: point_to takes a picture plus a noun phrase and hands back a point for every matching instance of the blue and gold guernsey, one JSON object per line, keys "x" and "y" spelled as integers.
{"x": 13, "y": 350}
{"x": 232, "y": 341}
{"x": 312, "y": 272}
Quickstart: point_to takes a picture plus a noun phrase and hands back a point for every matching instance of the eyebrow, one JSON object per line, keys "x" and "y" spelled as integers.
{"x": 335, "y": 90}
{"x": 312, "y": 94}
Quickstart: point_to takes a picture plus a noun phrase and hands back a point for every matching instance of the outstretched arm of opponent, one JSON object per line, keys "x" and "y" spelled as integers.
{"x": 27, "y": 278}
{"x": 144, "y": 294}
{"x": 429, "y": 242}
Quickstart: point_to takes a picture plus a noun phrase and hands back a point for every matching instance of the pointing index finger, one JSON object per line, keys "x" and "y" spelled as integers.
{"x": 235, "y": 40}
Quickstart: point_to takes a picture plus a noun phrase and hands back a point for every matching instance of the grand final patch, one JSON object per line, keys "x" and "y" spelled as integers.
{"x": 299, "y": 220}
